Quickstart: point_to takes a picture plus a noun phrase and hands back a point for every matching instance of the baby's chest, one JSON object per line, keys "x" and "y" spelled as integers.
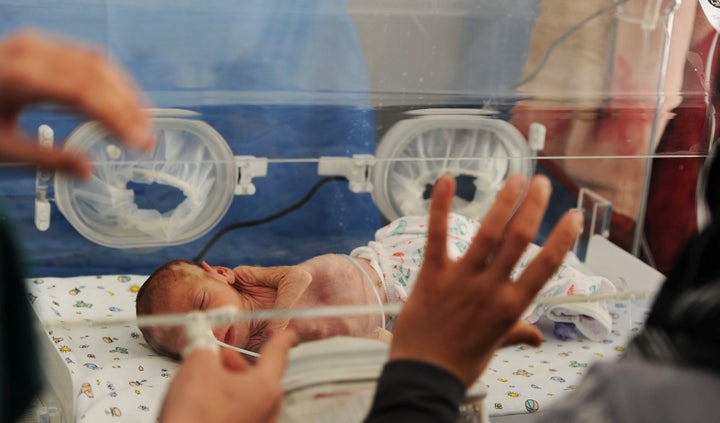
{"x": 336, "y": 289}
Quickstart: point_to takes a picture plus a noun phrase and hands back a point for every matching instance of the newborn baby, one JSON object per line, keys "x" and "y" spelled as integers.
{"x": 383, "y": 271}
{"x": 182, "y": 286}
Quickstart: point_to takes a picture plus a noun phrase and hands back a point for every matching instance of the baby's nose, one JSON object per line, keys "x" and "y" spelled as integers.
{"x": 220, "y": 332}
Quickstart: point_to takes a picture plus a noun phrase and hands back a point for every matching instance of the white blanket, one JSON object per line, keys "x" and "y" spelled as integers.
{"x": 110, "y": 370}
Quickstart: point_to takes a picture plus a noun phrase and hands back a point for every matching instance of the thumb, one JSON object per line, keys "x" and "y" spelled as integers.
{"x": 275, "y": 353}
{"x": 233, "y": 361}
{"x": 523, "y": 333}
{"x": 22, "y": 150}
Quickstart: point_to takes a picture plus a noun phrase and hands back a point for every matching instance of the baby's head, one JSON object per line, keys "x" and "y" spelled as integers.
{"x": 181, "y": 286}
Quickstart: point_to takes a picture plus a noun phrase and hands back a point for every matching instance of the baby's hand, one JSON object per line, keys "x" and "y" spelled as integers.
{"x": 383, "y": 335}
{"x": 277, "y": 287}
{"x": 292, "y": 284}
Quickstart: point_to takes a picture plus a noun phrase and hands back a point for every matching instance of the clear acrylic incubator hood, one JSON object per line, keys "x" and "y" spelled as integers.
{"x": 320, "y": 121}
{"x": 289, "y": 129}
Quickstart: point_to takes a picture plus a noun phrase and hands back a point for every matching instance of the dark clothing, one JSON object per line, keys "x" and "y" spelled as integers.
{"x": 20, "y": 380}
{"x": 636, "y": 391}
{"x": 412, "y": 391}
{"x": 609, "y": 393}
{"x": 683, "y": 327}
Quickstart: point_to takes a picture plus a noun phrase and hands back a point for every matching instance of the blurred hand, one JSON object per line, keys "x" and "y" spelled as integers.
{"x": 224, "y": 387}
{"x": 460, "y": 312}
{"x": 36, "y": 68}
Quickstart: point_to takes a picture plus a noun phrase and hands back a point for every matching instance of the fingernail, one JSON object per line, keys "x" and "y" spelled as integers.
{"x": 516, "y": 180}
{"x": 543, "y": 182}
{"x": 143, "y": 139}
{"x": 442, "y": 184}
{"x": 577, "y": 218}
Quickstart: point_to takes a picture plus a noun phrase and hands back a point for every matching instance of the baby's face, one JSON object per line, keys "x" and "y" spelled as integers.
{"x": 203, "y": 290}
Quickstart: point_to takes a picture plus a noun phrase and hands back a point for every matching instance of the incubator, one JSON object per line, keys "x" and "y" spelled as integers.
{"x": 292, "y": 129}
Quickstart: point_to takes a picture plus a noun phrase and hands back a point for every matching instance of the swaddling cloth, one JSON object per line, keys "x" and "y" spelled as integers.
{"x": 591, "y": 319}
{"x": 399, "y": 248}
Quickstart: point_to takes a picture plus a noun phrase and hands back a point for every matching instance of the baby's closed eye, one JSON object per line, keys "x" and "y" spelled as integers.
{"x": 201, "y": 300}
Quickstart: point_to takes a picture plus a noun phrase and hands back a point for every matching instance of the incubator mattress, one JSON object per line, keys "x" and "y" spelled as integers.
{"x": 97, "y": 373}
{"x": 524, "y": 379}
{"x": 101, "y": 373}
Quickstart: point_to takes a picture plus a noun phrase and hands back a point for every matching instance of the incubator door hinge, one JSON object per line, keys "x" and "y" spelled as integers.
{"x": 249, "y": 167}
{"x": 358, "y": 170}
{"x": 46, "y": 137}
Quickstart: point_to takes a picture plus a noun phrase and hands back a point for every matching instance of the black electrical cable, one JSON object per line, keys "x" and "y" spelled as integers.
{"x": 266, "y": 219}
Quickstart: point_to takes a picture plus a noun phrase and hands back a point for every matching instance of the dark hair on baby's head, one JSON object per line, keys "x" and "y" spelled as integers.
{"x": 151, "y": 294}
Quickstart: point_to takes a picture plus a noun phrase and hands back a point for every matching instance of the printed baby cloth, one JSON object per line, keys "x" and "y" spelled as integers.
{"x": 591, "y": 319}
{"x": 398, "y": 250}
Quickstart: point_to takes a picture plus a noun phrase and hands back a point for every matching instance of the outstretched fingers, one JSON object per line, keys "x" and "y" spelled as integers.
{"x": 491, "y": 230}
{"x": 524, "y": 226}
{"x": 20, "y": 150}
{"x": 440, "y": 205}
{"x": 550, "y": 256}
{"x": 43, "y": 68}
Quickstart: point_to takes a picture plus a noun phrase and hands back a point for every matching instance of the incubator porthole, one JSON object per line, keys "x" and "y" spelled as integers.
{"x": 479, "y": 151}
{"x": 171, "y": 196}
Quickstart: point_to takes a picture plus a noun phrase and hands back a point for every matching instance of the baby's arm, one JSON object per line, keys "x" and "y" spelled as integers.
{"x": 290, "y": 282}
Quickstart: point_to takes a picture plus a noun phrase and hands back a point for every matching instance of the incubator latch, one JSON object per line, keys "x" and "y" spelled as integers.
{"x": 46, "y": 137}
{"x": 358, "y": 170}
{"x": 249, "y": 167}
{"x": 597, "y": 214}
{"x": 536, "y": 136}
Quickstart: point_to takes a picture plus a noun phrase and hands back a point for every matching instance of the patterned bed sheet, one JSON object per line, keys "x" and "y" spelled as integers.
{"x": 523, "y": 379}
{"x": 113, "y": 373}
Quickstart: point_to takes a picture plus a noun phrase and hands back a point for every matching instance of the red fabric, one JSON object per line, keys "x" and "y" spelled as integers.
{"x": 671, "y": 216}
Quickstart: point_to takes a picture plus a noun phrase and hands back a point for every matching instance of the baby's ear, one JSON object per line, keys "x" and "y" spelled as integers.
{"x": 226, "y": 273}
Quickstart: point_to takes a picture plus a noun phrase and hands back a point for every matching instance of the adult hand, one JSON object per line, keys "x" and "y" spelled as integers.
{"x": 36, "y": 68}
{"x": 460, "y": 312}
{"x": 224, "y": 387}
